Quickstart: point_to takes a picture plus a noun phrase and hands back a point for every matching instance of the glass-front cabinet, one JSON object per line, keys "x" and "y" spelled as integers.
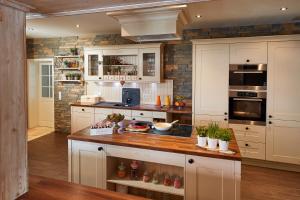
{"x": 149, "y": 63}
{"x": 93, "y": 64}
{"x": 136, "y": 63}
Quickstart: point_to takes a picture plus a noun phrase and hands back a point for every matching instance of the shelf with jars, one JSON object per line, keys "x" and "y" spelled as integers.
{"x": 134, "y": 63}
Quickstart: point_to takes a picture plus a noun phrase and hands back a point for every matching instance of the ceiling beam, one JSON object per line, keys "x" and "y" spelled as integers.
{"x": 112, "y": 8}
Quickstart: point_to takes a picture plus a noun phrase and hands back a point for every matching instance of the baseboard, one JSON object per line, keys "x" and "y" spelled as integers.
{"x": 271, "y": 164}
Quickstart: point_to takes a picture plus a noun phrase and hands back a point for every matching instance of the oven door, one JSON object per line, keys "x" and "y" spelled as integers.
{"x": 247, "y": 109}
{"x": 250, "y": 77}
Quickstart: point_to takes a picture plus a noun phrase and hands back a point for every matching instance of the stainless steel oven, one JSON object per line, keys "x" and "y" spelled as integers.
{"x": 248, "y": 77}
{"x": 247, "y": 107}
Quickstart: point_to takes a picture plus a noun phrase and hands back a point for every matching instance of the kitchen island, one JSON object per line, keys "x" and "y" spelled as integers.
{"x": 94, "y": 160}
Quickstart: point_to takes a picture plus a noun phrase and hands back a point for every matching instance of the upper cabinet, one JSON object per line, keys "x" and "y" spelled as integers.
{"x": 249, "y": 53}
{"x": 149, "y": 63}
{"x": 135, "y": 63}
{"x": 210, "y": 79}
{"x": 93, "y": 65}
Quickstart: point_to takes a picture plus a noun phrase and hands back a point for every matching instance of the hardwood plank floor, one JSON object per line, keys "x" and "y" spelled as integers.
{"x": 48, "y": 156}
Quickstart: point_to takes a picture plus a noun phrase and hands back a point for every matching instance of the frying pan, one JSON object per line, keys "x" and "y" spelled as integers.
{"x": 163, "y": 126}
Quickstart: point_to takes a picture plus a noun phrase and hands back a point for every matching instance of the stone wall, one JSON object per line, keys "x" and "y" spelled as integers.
{"x": 177, "y": 62}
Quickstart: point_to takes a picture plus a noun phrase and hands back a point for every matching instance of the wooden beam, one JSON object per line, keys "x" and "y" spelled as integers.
{"x": 16, "y": 5}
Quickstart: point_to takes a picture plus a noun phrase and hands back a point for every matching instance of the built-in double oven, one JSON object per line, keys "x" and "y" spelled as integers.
{"x": 247, "y": 94}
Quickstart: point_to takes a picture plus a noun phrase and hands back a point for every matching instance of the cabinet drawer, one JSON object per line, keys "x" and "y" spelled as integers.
{"x": 141, "y": 113}
{"x": 103, "y": 111}
{"x": 82, "y": 109}
{"x": 146, "y": 155}
{"x": 249, "y": 132}
{"x": 122, "y": 112}
{"x": 147, "y": 119}
{"x": 252, "y": 150}
{"x": 159, "y": 115}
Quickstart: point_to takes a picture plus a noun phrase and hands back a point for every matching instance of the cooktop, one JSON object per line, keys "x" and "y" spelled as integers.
{"x": 178, "y": 130}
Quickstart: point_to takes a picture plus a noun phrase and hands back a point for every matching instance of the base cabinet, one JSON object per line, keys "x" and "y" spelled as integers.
{"x": 283, "y": 141}
{"x": 88, "y": 164}
{"x": 81, "y": 118}
{"x": 211, "y": 179}
{"x": 204, "y": 120}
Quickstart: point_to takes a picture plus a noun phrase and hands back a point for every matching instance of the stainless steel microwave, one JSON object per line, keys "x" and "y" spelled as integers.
{"x": 248, "y": 77}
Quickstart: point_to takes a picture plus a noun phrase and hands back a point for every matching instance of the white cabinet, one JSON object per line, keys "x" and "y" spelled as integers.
{"x": 150, "y": 64}
{"x": 204, "y": 120}
{"x": 81, "y": 117}
{"x": 284, "y": 80}
{"x": 211, "y": 179}
{"x": 249, "y": 53}
{"x": 88, "y": 163}
{"x": 210, "y": 78}
{"x": 283, "y": 139}
{"x": 93, "y": 64}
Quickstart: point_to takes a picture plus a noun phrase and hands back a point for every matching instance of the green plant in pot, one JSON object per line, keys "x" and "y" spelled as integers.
{"x": 224, "y": 136}
{"x": 201, "y": 132}
{"x": 68, "y": 76}
{"x": 115, "y": 118}
{"x": 77, "y": 76}
{"x": 212, "y": 133}
{"x": 74, "y": 51}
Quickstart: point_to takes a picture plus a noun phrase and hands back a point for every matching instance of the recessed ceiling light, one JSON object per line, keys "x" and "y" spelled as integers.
{"x": 77, "y": 25}
{"x": 283, "y": 8}
{"x": 198, "y": 16}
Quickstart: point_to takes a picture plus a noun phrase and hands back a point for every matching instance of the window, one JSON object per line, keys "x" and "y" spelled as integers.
{"x": 46, "y": 81}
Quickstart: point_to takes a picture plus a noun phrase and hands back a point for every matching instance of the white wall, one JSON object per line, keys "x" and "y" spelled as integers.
{"x": 113, "y": 91}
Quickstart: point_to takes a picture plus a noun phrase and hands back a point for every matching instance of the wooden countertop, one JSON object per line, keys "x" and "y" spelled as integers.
{"x": 147, "y": 107}
{"x": 158, "y": 142}
{"x": 50, "y": 189}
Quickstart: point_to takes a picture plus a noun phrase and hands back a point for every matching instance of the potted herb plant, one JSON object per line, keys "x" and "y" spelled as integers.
{"x": 201, "y": 132}
{"x": 212, "y": 133}
{"x": 77, "y": 76}
{"x": 74, "y": 51}
{"x": 224, "y": 137}
{"x": 68, "y": 76}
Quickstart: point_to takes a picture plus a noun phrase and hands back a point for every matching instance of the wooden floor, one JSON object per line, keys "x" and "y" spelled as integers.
{"x": 37, "y": 132}
{"x": 48, "y": 157}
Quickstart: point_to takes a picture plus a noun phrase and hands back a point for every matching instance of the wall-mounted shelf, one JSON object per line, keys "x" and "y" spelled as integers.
{"x": 69, "y": 81}
{"x": 148, "y": 186}
{"x": 68, "y": 56}
{"x": 65, "y": 68}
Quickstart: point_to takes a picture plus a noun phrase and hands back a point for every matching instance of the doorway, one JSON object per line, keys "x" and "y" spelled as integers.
{"x": 40, "y": 98}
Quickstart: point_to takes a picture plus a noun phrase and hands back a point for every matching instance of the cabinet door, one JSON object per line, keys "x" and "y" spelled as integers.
{"x": 210, "y": 179}
{"x": 149, "y": 65}
{"x": 93, "y": 66}
{"x": 88, "y": 164}
{"x": 249, "y": 53}
{"x": 81, "y": 120}
{"x": 283, "y": 141}
{"x": 210, "y": 78}
{"x": 283, "y": 80}
{"x": 204, "y": 120}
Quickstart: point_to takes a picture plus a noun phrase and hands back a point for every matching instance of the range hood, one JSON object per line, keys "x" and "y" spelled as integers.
{"x": 155, "y": 24}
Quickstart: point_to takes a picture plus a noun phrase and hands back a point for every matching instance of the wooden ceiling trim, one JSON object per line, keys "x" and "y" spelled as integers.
{"x": 17, "y": 5}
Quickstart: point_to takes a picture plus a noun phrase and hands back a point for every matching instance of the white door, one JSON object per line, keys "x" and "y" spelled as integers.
{"x": 211, "y": 77}
{"x": 88, "y": 164}
{"x": 210, "y": 179}
{"x": 282, "y": 141}
{"x": 149, "y": 65}
{"x": 284, "y": 80}
{"x": 33, "y": 94}
{"x": 46, "y": 90}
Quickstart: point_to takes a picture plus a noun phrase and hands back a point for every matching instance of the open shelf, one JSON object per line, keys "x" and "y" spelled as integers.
{"x": 65, "y": 68}
{"x": 75, "y": 81}
{"x": 68, "y": 56}
{"x": 148, "y": 186}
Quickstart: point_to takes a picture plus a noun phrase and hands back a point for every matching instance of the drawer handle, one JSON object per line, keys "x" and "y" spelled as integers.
{"x": 247, "y": 60}
{"x": 100, "y": 77}
{"x": 191, "y": 161}
{"x": 225, "y": 113}
{"x": 82, "y": 109}
{"x": 100, "y": 148}
{"x": 270, "y": 116}
{"x": 246, "y": 145}
{"x": 133, "y": 118}
{"x": 141, "y": 113}
{"x": 225, "y": 119}
{"x": 270, "y": 122}
{"x": 140, "y": 78}
{"x": 247, "y": 128}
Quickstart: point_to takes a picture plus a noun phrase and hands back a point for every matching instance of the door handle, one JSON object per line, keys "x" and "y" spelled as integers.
{"x": 191, "y": 161}
{"x": 100, "y": 148}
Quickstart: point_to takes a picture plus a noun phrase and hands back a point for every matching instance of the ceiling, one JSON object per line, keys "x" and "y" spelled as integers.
{"x": 215, "y": 13}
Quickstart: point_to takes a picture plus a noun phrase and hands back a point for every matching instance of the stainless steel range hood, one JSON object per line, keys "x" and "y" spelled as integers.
{"x": 155, "y": 24}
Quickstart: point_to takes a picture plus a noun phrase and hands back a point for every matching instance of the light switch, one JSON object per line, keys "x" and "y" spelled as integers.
{"x": 59, "y": 95}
